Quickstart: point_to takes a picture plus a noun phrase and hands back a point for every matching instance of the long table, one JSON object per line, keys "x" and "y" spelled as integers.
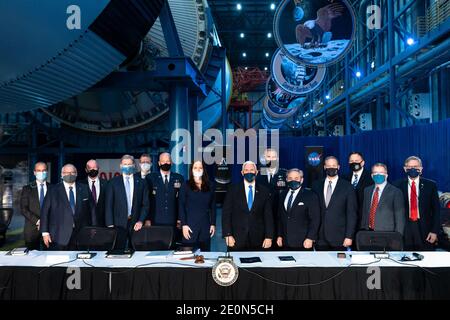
{"x": 314, "y": 275}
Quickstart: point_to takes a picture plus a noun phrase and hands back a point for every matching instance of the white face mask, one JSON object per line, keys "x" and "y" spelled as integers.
{"x": 145, "y": 166}
{"x": 198, "y": 174}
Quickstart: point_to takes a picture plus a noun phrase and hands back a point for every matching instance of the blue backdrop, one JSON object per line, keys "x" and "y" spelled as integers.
{"x": 431, "y": 142}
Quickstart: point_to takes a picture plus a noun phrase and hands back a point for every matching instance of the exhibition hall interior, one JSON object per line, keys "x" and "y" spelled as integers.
{"x": 224, "y": 150}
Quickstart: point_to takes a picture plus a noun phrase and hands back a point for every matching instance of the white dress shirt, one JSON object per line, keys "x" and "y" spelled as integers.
{"x": 67, "y": 186}
{"x": 380, "y": 190}
{"x": 333, "y": 185}
{"x": 163, "y": 175}
{"x": 38, "y": 185}
{"x": 97, "y": 186}
{"x": 271, "y": 172}
{"x": 359, "y": 173}
{"x": 286, "y": 200}
{"x": 246, "y": 184}
{"x": 417, "y": 182}
{"x": 131, "y": 185}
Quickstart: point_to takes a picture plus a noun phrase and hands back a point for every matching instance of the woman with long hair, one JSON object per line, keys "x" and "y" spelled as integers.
{"x": 197, "y": 208}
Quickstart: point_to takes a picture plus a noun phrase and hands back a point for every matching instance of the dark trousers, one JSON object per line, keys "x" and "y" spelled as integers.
{"x": 71, "y": 246}
{"x": 413, "y": 238}
{"x": 200, "y": 238}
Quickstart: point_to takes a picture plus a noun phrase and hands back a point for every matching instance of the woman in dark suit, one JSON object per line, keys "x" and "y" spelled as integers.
{"x": 197, "y": 208}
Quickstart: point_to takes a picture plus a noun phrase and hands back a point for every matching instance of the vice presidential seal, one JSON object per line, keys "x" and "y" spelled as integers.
{"x": 225, "y": 271}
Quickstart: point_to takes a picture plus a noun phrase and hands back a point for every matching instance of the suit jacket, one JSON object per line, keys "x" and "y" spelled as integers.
{"x": 31, "y": 210}
{"x": 302, "y": 221}
{"x": 339, "y": 219}
{"x": 249, "y": 228}
{"x": 363, "y": 182}
{"x": 57, "y": 217}
{"x": 100, "y": 206}
{"x": 390, "y": 214}
{"x": 164, "y": 202}
{"x": 116, "y": 206}
{"x": 429, "y": 207}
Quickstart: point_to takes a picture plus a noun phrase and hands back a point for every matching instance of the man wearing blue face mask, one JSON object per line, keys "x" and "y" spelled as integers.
{"x": 298, "y": 214}
{"x": 383, "y": 208}
{"x": 126, "y": 203}
{"x": 247, "y": 217}
{"x": 31, "y": 201}
{"x": 421, "y": 201}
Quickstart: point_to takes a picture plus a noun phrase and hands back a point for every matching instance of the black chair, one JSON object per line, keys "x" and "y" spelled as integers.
{"x": 152, "y": 238}
{"x": 5, "y": 220}
{"x": 379, "y": 241}
{"x": 96, "y": 239}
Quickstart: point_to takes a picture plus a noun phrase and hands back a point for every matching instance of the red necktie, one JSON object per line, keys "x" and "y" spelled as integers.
{"x": 373, "y": 209}
{"x": 413, "y": 203}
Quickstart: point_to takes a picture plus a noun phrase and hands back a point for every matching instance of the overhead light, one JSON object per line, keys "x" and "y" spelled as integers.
{"x": 269, "y": 34}
{"x": 246, "y": 68}
{"x": 410, "y": 41}
{"x": 242, "y": 35}
{"x": 265, "y": 68}
{"x": 239, "y": 6}
{"x": 358, "y": 74}
{"x": 372, "y": 65}
{"x": 272, "y": 6}
{"x": 267, "y": 54}
{"x": 342, "y": 87}
{"x": 244, "y": 54}
{"x": 327, "y": 97}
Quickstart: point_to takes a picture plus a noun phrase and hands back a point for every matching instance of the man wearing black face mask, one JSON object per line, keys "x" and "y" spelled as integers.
{"x": 298, "y": 215}
{"x": 68, "y": 207}
{"x": 164, "y": 186}
{"x": 338, "y": 209}
{"x": 422, "y": 207}
{"x": 97, "y": 187}
{"x": 247, "y": 217}
{"x": 360, "y": 178}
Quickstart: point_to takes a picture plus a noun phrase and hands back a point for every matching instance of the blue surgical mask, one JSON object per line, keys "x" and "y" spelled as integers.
{"x": 379, "y": 178}
{"x": 249, "y": 177}
{"x": 41, "y": 176}
{"x": 127, "y": 169}
{"x": 413, "y": 173}
{"x": 294, "y": 185}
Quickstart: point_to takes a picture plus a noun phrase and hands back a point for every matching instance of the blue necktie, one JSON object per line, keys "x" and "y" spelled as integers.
{"x": 41, "y": 196}
{"x": 289, "y": 204}
{"x": 355, "y": 182}
{"x": 128, "y": 191}
{"x": 72, "y": 199}
{"x": 250, "y": 198}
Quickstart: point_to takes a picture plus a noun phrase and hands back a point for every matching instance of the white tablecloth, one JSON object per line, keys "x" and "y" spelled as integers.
{"x": 268, "y": 260}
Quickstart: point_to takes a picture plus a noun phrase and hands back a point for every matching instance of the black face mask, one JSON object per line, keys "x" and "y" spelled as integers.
{"x": 331, "y": 172}
{"x": 355, "y": 166}
{"x": 92, "y": 173}
{"x": 294, "y": 185}
{"x": 165, "y": 167}
{"x": 413, "y": 173}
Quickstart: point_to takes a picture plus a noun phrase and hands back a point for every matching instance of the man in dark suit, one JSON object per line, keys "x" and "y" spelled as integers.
{"x": 338, "y": 209}
{"x": 126, "y": 204}
{"x": 67, "y": 208}
{"x": 31, "y": 201}
{"x": 273, "y": 178}
{"x": 164, "y": 186}
{"x": 383, "y": 208}
{"x": 145, "y": 165}
{"x": 360, "y": 178}
{"x": 298, "y": 214}
{"x": 97, "y": 188}
{"x": 247, "y": 217}
{"x": 422, "y": 207}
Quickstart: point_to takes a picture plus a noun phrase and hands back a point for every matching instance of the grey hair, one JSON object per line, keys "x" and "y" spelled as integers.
{"x": 413, "y": 158}
{"x": 300, "y": 172}
{"x": 126, "y": 156}
{"x": 249, "y": 162}
{"x": 69, "y": 165}
{"x": 330, "y": 158}
{"x": 379, "y": 164}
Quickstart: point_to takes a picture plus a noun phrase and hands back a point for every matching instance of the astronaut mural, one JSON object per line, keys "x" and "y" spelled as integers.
{"x": 315, "y": 32}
